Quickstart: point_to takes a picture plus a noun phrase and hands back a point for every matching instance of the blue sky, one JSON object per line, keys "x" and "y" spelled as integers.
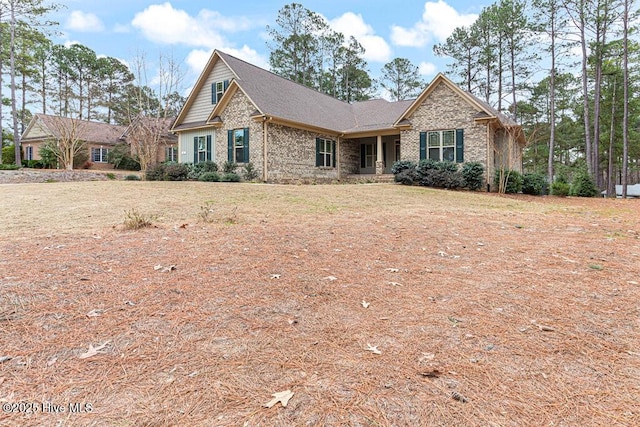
{"x": 190, "y": 29}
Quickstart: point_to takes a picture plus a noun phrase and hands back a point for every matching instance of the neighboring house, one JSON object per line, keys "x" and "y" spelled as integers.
{"x": 144, "y": 131}
{"x": 239, "y": 112}
{"x": 98, "y": 137}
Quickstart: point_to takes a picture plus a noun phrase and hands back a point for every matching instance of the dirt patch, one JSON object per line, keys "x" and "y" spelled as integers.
{"x": 485, "y": 310}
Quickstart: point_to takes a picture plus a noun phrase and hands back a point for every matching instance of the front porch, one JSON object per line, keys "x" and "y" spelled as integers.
{"x": 371, "y": 156}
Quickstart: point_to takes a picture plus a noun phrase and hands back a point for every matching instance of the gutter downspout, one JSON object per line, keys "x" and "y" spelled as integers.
{"x": 265, "y": 175}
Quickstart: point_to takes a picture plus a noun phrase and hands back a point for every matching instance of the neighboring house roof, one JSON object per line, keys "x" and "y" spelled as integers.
{"x": 282, "y": 99}
{"x": 55, "y": 126}
{"x": 161, "y": 124}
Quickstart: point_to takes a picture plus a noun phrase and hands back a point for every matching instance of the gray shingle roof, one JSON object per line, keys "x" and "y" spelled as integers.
{"x": 101, "y": 133}
{"x": 276, "y": 96}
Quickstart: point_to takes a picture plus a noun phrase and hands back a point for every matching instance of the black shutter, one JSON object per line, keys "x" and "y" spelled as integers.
{"x": 423, "y": 145}
{"x": 230, "y": 146}
{"x": 460, "y": 145}
{"x": 319, "y": 158}
{"x": 195, "y": 149}
{"x": 246, "y": 146}
{"x": 214, "y": 99}
{"x": 363, "y": 156}
{"x": 225, "y": 85}
{"x": 334, "y": 153}
{"x": 209, "y": 148}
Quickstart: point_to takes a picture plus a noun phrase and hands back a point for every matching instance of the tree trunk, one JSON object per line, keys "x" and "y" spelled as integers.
{"x": 585, "y": 89}
{"x": 611, "y": 183}
{"x": 625, "y": 120}
{"x": 552, "y": 101}
{"x": 12, "y": 65}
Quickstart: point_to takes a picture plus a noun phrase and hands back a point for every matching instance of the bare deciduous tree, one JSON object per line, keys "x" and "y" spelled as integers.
{"x": 67, "y": 141}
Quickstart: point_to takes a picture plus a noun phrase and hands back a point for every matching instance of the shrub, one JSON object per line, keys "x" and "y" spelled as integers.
{"x": 8, "y": 167}
{"x": 197, "y": 169}
{"x": 405, "y": 177}
{"x": 48, "y": 155}
{"x": 423, "y": 168}
{"x": 8, "y": 154}
{"x": 229, "y": 167}
{"x": 32, "y": 164}
{"x": 176, "y": 171}
{"x": 81, "y": 160}
{"x": 439, "y": 174}
{"x": 534, "y": 184}
{"x": 402, "y": 165}
{"x": 230, "y": 177}
{"x": 250, "y": 172}
{"x": 132, "y": 178}
{"x": 120, "y": 157}
{"x": 111, "y": 175}
{"x": 156, "y": 172}
{"x": 583, "y": 186}
{"x": 513, "y": 180}
{"x": 133, "y": 220}
{"x": 560, "y": 189}
{"x": 209, "y": 177}
{"x": 473, "y": 173}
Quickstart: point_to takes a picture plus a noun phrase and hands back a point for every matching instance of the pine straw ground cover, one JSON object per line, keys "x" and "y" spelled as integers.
{"x": 486, "y": 310}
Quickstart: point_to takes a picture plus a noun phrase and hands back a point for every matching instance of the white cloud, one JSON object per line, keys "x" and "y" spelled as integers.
{"x": 84, "y": 22}
{"x": 161, "y": 23}
{"x": 437, "y": 23}
{"x": 351, "y": 24}
{"x": 197, "y": 59}
{"x": 120, "y": 28}
{"x": 427, "y": 69}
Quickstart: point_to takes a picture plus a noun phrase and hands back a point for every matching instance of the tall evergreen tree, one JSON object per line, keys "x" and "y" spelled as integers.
{"x": 402, "y": 79}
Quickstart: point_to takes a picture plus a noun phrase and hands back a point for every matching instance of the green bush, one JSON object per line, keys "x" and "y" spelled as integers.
{"x": 132, "y": 178}
{"x": 583, "y": 186}
{"x": 250, "y": 173}
{"x": 534, "y": 184}
{"x": 120, "y": 157}
{"x": 230, "y": 177}
{"x": 176, "y": 171}
{"x": 8, "y": 167}
{"x": 156, "y": 172}
{"x": 560, "y": 189}
{"x": 209, "y": 177}
{"x": 8, "y": 154}
{"x": 111, "y": 175}
{"x": 439, "y": 174}
{"x": 473, "y": 175}
{"x": 229, "y": 167}
{"x": 513, "y": 183}
{"x": 32, "y": 164}
{"x": 402, "y": 165}
{"x": 197, "y": 169}
{"x": 48, "y": 155}
{"x": 405, "y": 177}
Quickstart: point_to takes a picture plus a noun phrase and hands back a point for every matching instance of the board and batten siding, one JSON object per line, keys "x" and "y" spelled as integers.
{"x": 185, "y": 144}
{"x": 202, "y": 106}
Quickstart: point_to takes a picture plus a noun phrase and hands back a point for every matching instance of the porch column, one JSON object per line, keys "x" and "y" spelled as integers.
{"x": 379, "y": 161}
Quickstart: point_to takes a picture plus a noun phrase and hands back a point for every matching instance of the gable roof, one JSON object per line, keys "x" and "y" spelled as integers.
{"x": 290, "y": 102}
{"x": 88, "y": 131}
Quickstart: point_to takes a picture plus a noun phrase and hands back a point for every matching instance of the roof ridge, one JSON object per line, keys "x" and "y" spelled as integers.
{"x": 284, "y": 78}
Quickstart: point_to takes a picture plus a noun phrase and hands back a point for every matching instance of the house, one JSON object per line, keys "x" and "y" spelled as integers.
{"x": 241, "y": 113}
{"x": 98, "y": 138}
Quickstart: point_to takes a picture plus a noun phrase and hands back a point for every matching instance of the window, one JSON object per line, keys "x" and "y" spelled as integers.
{"x": 217, "y": 90}
{"x": 29, "y": 153}
{"x": 238, "y": 145}
{"x": 370, "y": 156}
{"x": 443, "y": 145}
{"x": 171, "y": 154}
{"x": 99, "y": 155}
{"x": 325, "y": 153}
{"x": 201, "y": 149}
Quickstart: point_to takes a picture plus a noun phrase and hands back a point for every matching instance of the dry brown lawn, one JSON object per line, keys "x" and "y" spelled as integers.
{"x": 486, "y": 310}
